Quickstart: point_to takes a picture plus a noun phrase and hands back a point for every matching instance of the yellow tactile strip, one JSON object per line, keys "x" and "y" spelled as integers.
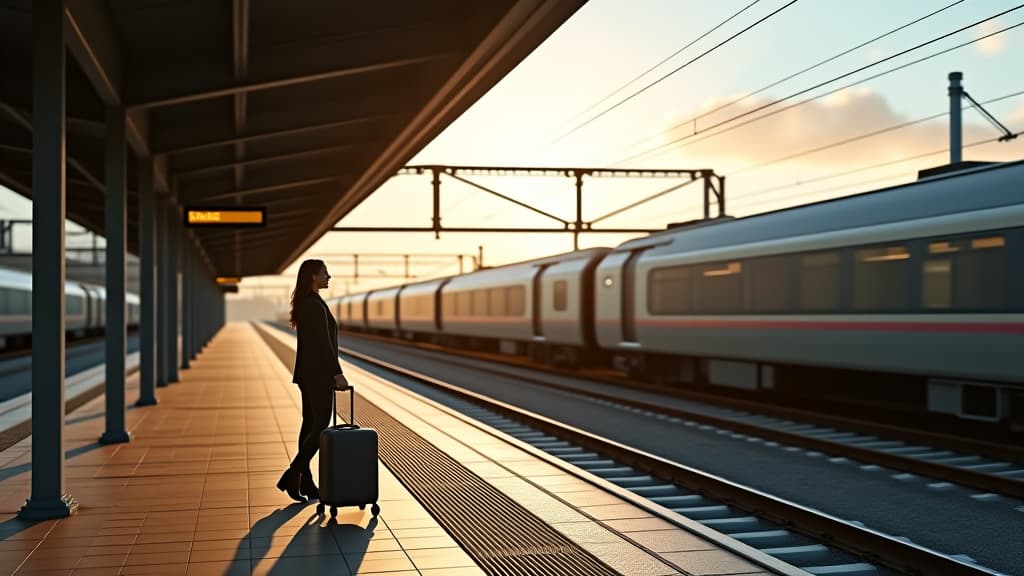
{"x": 193, "y": 492}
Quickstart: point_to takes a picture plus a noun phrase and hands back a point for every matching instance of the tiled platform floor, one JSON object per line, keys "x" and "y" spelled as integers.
{"x": 193, "y": 492}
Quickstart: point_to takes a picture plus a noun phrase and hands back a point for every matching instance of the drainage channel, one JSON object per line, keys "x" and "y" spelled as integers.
{"x": 810, "y": 540}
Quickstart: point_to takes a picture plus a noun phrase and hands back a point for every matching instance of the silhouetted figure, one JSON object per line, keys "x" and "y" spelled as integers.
{"x": 317, "y": 372}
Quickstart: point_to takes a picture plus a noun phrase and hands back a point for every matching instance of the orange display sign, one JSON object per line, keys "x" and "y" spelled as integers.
{"x": 228, "y": 280}
{"x": 234, "y": 216}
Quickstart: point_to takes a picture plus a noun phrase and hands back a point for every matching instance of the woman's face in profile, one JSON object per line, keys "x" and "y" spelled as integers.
{"x": 321, "y": 279}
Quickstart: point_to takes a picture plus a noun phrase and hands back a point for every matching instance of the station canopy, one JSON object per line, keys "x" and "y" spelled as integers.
{"x": 303, "y": 108}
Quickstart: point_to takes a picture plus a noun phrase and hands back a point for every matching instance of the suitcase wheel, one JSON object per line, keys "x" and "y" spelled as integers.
{"x": 375, "y": 509}
{"x": 334, "y": 511}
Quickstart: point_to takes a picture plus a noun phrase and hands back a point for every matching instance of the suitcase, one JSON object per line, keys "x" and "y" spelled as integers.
{"x": 348, "y": 464}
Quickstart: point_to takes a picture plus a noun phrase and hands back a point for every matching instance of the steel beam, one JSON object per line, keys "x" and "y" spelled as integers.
{"x": 240, "y": 193}
{"x": 185, "y": 94}
{"x": 147, "y": 282}
{"x": 162, "y": 291}
{"x": 277, "y": 66}
{"x": 167, "y": 144}
{"x": 117, "y": 242}
{"x": 47, "y": 498}
{"x": 171, "y": 327}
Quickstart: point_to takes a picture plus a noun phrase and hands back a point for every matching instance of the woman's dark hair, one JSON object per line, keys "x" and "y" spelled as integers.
{"x": 303, "y": 286}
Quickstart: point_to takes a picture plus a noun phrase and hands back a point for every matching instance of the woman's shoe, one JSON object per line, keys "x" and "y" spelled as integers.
{"x": 290, "y": 482}
{"x": 308, "y": 488}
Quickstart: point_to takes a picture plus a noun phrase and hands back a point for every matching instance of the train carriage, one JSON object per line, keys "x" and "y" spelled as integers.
{"x": 419, "y": 309}
{"x": 382, "y": 311}
{"x": 923, "y": 280}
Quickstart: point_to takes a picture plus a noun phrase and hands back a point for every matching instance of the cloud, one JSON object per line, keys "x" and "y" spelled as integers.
{"x": 844, "y": 115}
{"x": 992, "y": 44}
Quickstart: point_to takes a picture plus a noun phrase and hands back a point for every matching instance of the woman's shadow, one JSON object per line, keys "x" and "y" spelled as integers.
{"x": 313, "y": 538}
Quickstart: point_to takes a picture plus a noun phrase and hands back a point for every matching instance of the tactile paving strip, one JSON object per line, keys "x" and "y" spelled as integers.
{"x": 504, "y": 538}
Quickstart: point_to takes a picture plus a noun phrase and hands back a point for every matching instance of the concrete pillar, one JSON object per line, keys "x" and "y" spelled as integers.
{"x": 147, "y": 281}
{"x": 173, "y": 239}
{"x": 117, "y": 241}
{"x": 47, "y": 498}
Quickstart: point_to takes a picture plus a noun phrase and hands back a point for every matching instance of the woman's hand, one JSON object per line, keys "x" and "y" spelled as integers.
{"x": 340, "y": 382}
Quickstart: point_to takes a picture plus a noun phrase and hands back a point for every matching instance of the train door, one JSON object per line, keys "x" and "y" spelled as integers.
{"x": 629, "y": 297}
{"x": 538, "y": 326}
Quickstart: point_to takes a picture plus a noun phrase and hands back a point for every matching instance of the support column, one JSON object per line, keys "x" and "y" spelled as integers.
{"x": 47, "y": 499}
{"x": 956, "y": 94}
{"x": 117, "y": 241}
{"x": 173, "y": 237}
{"x": 162, "y": 293}
{"x": 186, "y": 302}
{"x": 147, "y": 281}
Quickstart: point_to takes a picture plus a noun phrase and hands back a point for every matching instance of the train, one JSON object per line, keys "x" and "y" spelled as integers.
{"x": 912, "y": 294}
{"x": 84, "y": 309}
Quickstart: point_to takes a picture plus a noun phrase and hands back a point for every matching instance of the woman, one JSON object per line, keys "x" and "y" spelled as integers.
{"x": 317, "y": 372}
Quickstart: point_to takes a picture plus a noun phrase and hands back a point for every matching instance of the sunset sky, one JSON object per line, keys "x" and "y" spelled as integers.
{"x": 587, "y": 66}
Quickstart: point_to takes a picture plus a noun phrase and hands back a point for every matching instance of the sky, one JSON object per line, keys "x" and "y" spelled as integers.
{"x": 566, "y": 105}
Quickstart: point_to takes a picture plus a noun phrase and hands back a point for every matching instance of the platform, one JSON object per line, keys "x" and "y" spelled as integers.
{"x": 193, "y": 492}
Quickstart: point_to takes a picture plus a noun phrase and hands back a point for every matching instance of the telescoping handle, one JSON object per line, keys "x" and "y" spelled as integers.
{"x": 351, "y": 406}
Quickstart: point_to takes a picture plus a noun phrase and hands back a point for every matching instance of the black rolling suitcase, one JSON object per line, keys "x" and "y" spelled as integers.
{"x": 348, "y": 464}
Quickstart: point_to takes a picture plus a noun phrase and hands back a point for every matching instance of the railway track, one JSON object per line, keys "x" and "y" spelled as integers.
{"x": 975, "y": 464}
{"x": 806, "y": 538}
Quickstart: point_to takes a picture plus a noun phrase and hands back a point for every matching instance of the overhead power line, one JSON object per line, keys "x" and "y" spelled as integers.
{"x": 682, "y": 139}
{"x": 694, "y": 119}
{"x": 864, "y": 136}
{"x": 741, "y": 198}
{"x": 677, "y": 69}
{"x": 667, "y": 58}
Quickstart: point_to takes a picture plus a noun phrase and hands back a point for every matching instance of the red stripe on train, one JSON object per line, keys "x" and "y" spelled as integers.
{"x": 898, "y": 326}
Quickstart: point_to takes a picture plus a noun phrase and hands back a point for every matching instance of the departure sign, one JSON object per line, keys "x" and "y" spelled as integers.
{"x": 228, "y": 280}
{"x": 229, "y": 216}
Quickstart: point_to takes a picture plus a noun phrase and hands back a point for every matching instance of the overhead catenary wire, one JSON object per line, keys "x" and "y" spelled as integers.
{"x": 683, "y": 139}
{"x": 739, "y": 199}
{"x": 674, "y": 71}
{"x": 864, "y": 136}
{"x": 820, "y": 63}
{"x": 667, "y": 58}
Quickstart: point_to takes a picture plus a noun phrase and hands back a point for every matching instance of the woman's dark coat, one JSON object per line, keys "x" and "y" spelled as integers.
{"x": 316, "y": 356}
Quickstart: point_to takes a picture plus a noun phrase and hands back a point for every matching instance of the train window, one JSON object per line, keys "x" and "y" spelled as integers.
{"x": 3, "y": 301}
{"x": 480, "y": 303}
{"x": 819, "y": 281}
{"x": 880, "y": 278}
{"x": 516, "y": 301}
{"x": 497, "y": 301}
{"x": 936, "y": 289}
{"x": 719, "y": 288}
{"x": 561, "y": 299}
{"x": 448, "y": 305}
{"x": 768, "y": 283}
{"x": 73, "y": 304}
{"x": 979, "y": 274}
{"x": 669, "y": 291}
{"x": 463, "y": 304}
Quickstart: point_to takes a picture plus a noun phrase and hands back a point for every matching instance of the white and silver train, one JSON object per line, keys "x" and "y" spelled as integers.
{"x": 85, "y": 310}
{"x": 913, "y": 294}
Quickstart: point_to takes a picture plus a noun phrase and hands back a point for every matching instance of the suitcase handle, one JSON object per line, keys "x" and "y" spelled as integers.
{"x": 351, "y": 406}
